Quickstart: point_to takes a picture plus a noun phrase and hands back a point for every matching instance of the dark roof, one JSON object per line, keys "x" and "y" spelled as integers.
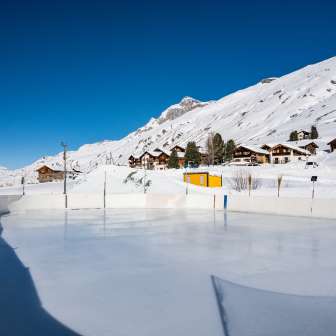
{"x": 45, "y": 166}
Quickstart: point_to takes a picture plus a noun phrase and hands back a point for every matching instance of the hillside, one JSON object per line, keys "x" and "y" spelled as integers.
{"x": 265, "y": 112}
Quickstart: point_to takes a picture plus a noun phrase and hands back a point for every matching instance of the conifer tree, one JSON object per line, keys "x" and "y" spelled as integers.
{"x": 192, "y": 154}
{"x": 229, "y": 149}
{"x": 173, "y": 160}
{"x": 293, "y": 136}
{"x": 313, "y": 133}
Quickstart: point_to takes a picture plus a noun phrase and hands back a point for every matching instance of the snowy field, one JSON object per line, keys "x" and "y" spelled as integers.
{"x": 121, "y": 180}
{"x": 147, "y": 272}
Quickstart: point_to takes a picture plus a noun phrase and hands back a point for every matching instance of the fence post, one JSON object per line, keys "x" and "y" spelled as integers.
{"x": 225, "y": 202}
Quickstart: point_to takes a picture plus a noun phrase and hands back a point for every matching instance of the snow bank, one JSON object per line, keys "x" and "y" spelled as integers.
{"x": 5, "y": 201}
{"x": 249, "y": 311}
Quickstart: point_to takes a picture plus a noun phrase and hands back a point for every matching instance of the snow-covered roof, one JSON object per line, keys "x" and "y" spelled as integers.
{"x": 270, "y": 145}
{"x": 296, "y": 148}
{"x": 154, "y": 153}
{"x": 171, "y": 148}
{"x": 254, "y": 149}
{"x": 300, "y": 143}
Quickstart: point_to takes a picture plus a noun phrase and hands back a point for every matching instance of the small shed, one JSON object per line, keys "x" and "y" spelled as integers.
{"x": 203, "y": 179}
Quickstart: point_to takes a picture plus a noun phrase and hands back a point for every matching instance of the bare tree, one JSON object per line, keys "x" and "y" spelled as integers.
{"x": 243, "y": 180}
{"x": 210, "y": 149}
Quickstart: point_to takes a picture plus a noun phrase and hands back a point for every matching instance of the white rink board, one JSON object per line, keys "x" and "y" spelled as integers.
{"x": 85, "y": 201}
{"x": 289, "y": 206}
{"x": 38, "y": 202}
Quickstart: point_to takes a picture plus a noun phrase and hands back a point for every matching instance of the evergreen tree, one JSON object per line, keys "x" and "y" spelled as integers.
{"x": 218, "y": 148}
{"x": 229, "y": 149}
{"x": 293, "y": 136}
{"x": 313, "y": 133}
{"x": 173, "y": 161}
{"x": 192, "y": 154}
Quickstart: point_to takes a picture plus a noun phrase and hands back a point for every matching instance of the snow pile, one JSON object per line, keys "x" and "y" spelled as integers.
{"x": 276, "y": 314}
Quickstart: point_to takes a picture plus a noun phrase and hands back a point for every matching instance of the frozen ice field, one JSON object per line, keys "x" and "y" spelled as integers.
{"x": 147, "y": 272}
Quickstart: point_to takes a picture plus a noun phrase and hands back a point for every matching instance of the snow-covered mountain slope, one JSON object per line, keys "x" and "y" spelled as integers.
{"x": 265, "y": 112}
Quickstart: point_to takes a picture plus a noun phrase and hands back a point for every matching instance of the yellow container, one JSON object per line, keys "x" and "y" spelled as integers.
{"x": 203, "y": 179}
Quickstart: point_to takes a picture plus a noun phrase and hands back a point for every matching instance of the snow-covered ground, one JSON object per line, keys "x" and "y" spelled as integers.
{"x": 147, "y": 272}
{"x": 121, "y": 179}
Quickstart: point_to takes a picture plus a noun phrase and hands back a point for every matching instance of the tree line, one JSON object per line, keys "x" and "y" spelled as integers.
{"x": 217, "y": 152}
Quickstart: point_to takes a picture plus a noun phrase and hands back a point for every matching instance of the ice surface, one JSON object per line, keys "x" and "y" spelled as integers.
{"x": 147, "y": 272}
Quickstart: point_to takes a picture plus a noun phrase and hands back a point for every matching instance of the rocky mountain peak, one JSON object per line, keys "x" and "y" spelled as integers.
{"x": 187, "y": 104}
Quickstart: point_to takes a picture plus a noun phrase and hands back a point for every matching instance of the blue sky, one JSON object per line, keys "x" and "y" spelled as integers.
{"x": 85, "y": 71}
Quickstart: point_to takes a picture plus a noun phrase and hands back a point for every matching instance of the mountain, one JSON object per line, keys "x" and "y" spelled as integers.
{"x": 265, "y": 112}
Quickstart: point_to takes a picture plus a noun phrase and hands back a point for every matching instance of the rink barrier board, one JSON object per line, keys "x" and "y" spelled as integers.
{"x": 291, "y": 206}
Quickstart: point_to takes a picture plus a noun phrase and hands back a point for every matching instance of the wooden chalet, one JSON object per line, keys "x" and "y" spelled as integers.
{"x": 156, "y": 159}
{"x": 251, "y": 154}
{"x": 47, "y": 174}
{"x": 134, "y": 161}
{"x": 302, "y": 135}
{"x": 285, "y": 153}
{"x": 332, "y": 145}
{"x": 309, "y": 146}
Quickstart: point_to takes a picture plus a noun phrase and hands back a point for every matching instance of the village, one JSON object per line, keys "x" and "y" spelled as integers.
{"x": 300, "y": 147}
{"x": 197, "y": 163}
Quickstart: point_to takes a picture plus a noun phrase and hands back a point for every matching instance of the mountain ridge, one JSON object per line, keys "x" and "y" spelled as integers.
{"x": 264, "y": 112}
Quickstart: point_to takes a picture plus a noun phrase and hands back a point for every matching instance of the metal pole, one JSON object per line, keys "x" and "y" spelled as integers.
{"x": 313, "y": 193}
{"x": 65, "y": 173}
{"x": 144, "y": 181}
{"x": 23, "y": 185}
{"x": 213, "y": 150}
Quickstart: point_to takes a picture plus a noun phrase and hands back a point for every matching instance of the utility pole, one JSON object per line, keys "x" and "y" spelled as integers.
{"x": 145, "y": 176}
{"x": 213, "y": 150}
{"x": 65, "y": 148}
{"x": 23, "y": 185}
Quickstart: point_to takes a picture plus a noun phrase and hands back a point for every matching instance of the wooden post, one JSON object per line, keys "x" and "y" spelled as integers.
{"x": 105, "y": 190}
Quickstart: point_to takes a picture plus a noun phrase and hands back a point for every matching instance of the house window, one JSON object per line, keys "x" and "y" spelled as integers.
{"x": 276, "y": 160}
{"x": 202, "y": 179}
{"x": 286, "y": 159}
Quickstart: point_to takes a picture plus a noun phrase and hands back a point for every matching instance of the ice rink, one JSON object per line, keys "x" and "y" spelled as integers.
{"x": 147, "y": 272}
